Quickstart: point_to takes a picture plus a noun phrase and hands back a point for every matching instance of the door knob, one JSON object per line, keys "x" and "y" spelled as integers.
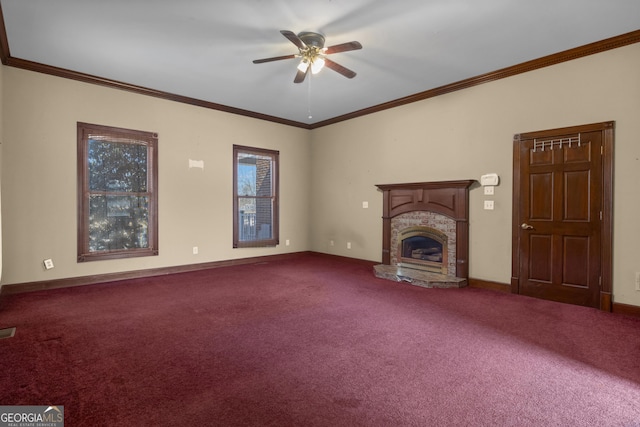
{"x": 526, "y": 226}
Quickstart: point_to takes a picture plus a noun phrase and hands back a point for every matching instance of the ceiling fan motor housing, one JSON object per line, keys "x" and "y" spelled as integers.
{"x": 312, "y": 39}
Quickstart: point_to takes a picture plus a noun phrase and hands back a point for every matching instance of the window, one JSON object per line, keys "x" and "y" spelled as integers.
{"x": 117, "y": 193}
{"x": 255, "y": 200}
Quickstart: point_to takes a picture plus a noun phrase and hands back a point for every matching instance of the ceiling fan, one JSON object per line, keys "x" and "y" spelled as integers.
{"x": 313, "y": 54}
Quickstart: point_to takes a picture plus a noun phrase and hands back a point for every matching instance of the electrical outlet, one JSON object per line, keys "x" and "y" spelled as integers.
{"x": 348, "y": 245}
{"x": 286, "y": 242}
{"x": 488, "y": 205}
{"x": 365, "y": 205}
{"x": 48, "y": 263}
{"x": 637, "y": 280}
{"x": 331, "y": 243}
{"x": 195, "y": 250}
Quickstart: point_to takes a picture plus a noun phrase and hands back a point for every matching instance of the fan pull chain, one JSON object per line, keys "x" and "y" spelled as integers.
{"x": 309, "y": 97}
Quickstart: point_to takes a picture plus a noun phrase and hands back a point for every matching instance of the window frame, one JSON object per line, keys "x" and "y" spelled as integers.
{"x": 148, "y": 139}
{"x": 275, "y": 198}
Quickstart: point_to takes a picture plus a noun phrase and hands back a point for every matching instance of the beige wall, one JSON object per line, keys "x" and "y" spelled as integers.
{"x": 195, "y": 206}
{"x": 326, "y": 173}
{"x": 1, "y": 140}
{"x": 468, "y": 133}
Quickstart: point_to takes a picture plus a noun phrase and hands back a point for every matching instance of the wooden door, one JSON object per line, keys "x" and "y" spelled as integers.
{"x": 562, "y": 215}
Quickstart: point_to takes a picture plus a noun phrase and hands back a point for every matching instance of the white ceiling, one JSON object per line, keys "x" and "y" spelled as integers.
{"x": 203, "y": 49}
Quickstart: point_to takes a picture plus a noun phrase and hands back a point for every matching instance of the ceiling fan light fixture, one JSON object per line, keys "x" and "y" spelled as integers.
{"x": 317, "y": 65}
{"x": 303, "y": 66}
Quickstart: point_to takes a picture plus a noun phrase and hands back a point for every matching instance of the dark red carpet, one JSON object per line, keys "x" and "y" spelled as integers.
{"x": 316, "y": 341}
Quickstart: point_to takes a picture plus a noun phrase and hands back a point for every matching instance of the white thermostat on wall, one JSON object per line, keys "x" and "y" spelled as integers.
{"x": 489, "y": 179}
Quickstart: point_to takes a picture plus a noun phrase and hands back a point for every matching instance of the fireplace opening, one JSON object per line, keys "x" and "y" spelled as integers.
{"x": 423, "y": 248}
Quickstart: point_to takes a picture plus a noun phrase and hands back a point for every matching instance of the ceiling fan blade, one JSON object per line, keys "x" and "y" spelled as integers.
{"x": 275, "y": 58}
{"x": 344, "y": 47}
{"x": 300, "y": 76}
{"x": 339, "y": 68}
{"x": 293, "y": 38}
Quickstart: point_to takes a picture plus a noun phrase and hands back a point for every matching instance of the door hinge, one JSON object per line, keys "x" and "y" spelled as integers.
{"x": 600, "y": 215}
{"x": 602, "y": 150}
{"x": 600, "y": 281}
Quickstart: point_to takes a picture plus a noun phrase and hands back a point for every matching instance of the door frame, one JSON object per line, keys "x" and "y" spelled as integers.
{"x": 606, "y": 249}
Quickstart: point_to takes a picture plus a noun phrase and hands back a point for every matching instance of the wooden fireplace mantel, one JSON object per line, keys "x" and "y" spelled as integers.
{"x": 449, "y": 198}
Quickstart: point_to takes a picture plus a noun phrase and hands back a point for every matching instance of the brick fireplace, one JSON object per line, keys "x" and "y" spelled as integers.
{"x": 425, "y": 233}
